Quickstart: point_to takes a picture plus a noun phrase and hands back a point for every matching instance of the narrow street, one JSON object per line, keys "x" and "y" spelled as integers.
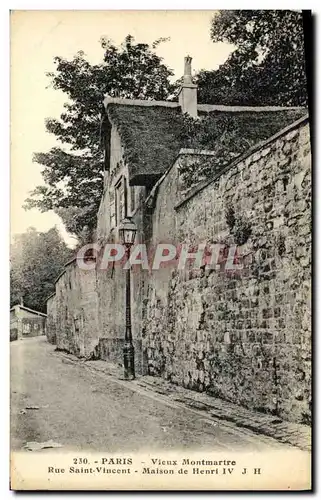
{"x": 83, "y": 410}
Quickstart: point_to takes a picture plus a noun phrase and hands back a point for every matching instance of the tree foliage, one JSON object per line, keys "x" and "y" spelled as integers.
{"x": 73, "y": 173}
{"x": 37, "y": 258}
{"x": 268, "y": 65}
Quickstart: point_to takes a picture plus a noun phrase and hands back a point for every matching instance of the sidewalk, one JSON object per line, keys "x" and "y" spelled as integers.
{"x": 297, "y": 435}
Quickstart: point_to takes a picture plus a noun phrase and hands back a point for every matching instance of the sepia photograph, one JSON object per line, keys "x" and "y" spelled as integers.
{"x": 160, "y": 250}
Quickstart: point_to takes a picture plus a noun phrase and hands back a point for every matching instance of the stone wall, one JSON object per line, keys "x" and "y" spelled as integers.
{"x": 51, "y": 330}
{"x": 76, "y": 304}
{"x": 14, "y": 325}
{"x": 242, "y": 336}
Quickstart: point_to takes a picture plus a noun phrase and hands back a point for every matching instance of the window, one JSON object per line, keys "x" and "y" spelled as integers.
{"x": 132, "y": 198}
{"x": 112, "y": 208}
{"x": 120, "y": 200}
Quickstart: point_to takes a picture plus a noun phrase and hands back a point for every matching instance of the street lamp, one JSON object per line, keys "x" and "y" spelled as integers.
{"x": 127, "y": 232}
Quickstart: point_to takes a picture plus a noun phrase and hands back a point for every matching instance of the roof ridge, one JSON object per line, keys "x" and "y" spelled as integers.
{"x": 139, "y": 102}
{"x": 200, "y": 107}
{"x": 223, "y": 107}
{"x": 28, "y": 309}
{"x": 196, "y": 151}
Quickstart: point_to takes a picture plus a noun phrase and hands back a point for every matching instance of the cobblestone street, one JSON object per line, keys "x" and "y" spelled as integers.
{"x": 55, "y": 399}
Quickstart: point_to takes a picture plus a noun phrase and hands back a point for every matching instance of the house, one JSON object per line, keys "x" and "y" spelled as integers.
{"x": 190, "y": 173}
{"x": 25, "y": 322}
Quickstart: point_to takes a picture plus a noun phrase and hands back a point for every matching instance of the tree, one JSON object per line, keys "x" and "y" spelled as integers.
{"x": 73, "y": 173}
{"x": 36, "y": 260}
{"x": 268, "y": 65}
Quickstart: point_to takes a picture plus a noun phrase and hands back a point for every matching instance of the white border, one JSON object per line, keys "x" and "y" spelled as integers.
{"x": 4, "y": 198}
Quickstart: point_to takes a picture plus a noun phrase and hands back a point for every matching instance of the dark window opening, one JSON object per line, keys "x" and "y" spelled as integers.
{"x": 132, "y": 198}
{"x": 121, "y": 200}
{"x": 285, "y": 183}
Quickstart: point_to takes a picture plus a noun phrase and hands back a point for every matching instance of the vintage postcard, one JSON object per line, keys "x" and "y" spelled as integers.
{"x": 160, "y": 316}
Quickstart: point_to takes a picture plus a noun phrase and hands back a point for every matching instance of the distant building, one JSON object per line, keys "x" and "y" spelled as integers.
{"x": 25, "y": 322}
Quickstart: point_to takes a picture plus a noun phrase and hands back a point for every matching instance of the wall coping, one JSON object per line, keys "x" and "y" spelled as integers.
{"x": 66, "y": 265}
{"x": 51, "y": 295}
{"x": 182, "y": 152}
{"x": 200, "y": 107}
{"x": 59, "y": 276}
{"x": 62, "y": 273}
{"x": 70, "y": 261}
{"x": 242, "y": 157}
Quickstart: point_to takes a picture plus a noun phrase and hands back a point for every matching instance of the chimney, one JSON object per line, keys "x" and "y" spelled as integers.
{"x": 187, "y": 96}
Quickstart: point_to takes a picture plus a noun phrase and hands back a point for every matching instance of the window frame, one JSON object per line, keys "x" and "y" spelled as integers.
{"x": 120, "y": 212}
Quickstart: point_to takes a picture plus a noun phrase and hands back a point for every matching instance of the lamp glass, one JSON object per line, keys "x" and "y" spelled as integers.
{"x": 127, "y": 231}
